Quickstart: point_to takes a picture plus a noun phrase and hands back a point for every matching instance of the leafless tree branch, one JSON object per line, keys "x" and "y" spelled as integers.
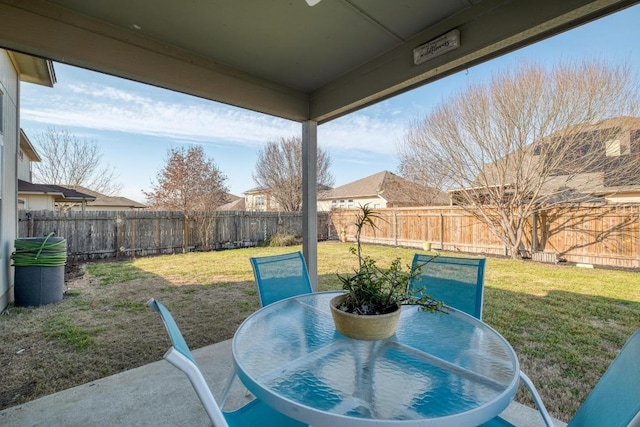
{"x": 279, "y": 170}
{"x": 532, "y": 138}
{"x": 70, "y": 160}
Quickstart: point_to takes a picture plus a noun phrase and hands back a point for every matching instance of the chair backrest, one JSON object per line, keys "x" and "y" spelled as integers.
{"x": 177, "y": 340}
{"x": 615, "y": 400}
{"x": 458, "y": 282}
{"x": 180, "y": 356}
{"x": 280, "y": 276}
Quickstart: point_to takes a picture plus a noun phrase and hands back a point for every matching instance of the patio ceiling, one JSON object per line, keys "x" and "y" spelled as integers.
{"x": 283, "y": 57}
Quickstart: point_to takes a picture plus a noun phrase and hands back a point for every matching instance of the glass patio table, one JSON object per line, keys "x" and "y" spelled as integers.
{"x": 437, "y": 370}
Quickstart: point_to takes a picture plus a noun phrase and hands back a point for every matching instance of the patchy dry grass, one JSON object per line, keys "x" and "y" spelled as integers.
{"x": 565, "y": 323}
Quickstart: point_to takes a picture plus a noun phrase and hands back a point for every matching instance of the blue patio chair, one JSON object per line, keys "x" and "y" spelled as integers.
{"x": 614, "y": 401}
{"x": 280, "y": 276}
{"x": 254, "y": 413}
{"x": 277, "y": 277}
{"x": 458, "y": 282}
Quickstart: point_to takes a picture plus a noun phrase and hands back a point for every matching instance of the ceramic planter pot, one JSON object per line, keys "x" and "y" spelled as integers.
{"x": 364, "y": 327}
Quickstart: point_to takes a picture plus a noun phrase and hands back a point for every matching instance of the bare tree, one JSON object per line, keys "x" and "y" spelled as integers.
{"x": 70, "y": 160}
{"x": 193, "y": 184}
{"x": 419, "y": 166}
{"x": 531, "y": 139}
{"x": 279, "y": 170}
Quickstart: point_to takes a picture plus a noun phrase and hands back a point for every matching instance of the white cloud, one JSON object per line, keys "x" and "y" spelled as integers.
{"x": 110, "y": 109}
{"x": 124, "y": 106}
{"x": 360, "y": 131}
{"x": 102, "y": 92}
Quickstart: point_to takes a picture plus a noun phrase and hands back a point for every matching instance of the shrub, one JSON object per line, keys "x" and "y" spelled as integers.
{"x": 283, "y": 240}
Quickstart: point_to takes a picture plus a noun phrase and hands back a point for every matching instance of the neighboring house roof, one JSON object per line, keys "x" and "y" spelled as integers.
{"x": 104, "y": 200}
{"x": 28, "y": 148}
{"x": 623, "y": 122}
{"x": 256, "y": 190}
{"x": 235, "y": 205}
{"x": 388, "y": 186}
{"x": 594, "y": 183}
{"x": 233, "y": 197}
{"x": 61, "y": 194}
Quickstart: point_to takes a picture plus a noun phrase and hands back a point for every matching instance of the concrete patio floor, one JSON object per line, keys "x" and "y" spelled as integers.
{"x": 158, "y": 394}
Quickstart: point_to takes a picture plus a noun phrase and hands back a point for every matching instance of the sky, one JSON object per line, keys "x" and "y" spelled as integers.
{"x": 135, "y": 125}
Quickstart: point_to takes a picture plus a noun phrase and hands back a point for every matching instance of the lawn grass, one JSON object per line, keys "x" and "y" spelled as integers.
{"x": 565, "y": 323}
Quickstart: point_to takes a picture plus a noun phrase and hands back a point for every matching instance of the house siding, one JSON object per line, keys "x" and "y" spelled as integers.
{"x": 36, "y": 202}
{"x": 8, "y": 151}
{"x": 260, "y": 202}
{"x": 24, "y": 167}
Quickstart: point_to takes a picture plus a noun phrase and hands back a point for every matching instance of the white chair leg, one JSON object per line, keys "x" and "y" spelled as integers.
{"x": 227, "y": 389}
{"x": 536, "y": 397}
{"x": 229, "y": 386}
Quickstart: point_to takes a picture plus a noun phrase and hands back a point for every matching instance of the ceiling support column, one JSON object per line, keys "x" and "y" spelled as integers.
{"x": 309, "y": 199}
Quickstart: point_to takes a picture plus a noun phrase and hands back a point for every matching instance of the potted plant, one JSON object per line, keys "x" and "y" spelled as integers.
{"x": 370, "y": 307}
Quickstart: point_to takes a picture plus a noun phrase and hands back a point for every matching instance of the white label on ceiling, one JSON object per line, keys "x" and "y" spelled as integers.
{"x": 436, "y": 47}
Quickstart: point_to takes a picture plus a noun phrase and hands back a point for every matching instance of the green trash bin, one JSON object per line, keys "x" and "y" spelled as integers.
{"x": 39, "y": 270}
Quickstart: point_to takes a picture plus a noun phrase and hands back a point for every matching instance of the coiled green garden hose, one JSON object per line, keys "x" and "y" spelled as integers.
{"x": 41, "y": 253}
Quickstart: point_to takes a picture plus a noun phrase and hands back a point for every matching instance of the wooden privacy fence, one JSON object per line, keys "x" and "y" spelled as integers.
{"x": 107, "y": 234}
{"x": 602, "y": 235}
{"x": 607, "y": 236}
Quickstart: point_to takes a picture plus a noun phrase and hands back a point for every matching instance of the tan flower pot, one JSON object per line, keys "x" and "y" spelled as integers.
{"x": 362, "y": 327}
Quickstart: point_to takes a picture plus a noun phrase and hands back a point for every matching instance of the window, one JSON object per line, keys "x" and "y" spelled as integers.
{"x": 616, "y": 148}
{"x": 259, "y": 200}
{"x": 350, "y": 203}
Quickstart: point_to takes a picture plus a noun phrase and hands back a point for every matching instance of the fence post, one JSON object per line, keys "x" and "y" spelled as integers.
{"x": 185, "y": 234}
{"x": 395, "y": 227}
{"x": 30, "y": 226}
{"x": 119, "y": 226}
{"x": 441, "y": 232}
{"x": 157, "y": 236}
{"x": 132, "y": 235}
{"x": 534, "y": 232}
